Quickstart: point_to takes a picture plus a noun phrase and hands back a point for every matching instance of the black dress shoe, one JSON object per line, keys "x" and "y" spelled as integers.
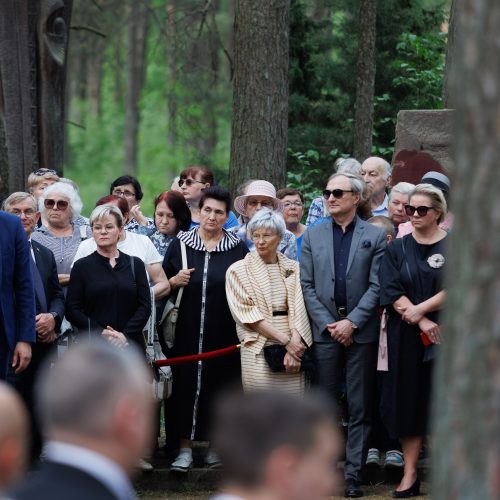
{"x": 412, "y": 491}
{"x": 352, "y": 489}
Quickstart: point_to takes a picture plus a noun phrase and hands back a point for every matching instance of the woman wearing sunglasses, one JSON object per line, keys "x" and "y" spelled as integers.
{"x": 411, "y": 284}
{"x": 193, "y": 180}
{"x": 60, "y": 205}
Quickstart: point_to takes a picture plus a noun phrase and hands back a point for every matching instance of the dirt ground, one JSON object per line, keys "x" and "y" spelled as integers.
{"x": 372, "y": 492}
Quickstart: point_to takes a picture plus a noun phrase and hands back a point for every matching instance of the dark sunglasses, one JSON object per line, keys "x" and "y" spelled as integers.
{"x": 337, "y": 193}
{"x": 44, "y": 171}
{"x": 189, "y": 182}
{"x": 421, "y": 211}
{"x": 59, "y": 204}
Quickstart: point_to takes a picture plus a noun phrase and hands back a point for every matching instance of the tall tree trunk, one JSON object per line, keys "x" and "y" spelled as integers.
{"x": 172, "y": 73}
{"x": 136, "y": 66}
{"x": 450, "y": 46}
{"x": 365, "y": 79}
{"x": 259, "y": 126}
{"x": 466, "y": 453}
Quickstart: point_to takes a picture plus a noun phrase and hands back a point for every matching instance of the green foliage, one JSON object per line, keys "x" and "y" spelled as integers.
{"x": 420, "y": 62}
{"x": 409, "y": 62}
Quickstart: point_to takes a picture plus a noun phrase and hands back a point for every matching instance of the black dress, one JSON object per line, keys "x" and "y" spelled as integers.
{"x": 415, "y": 270}
{"x": 100, "y": 295}
{"x": 205, "y": 324}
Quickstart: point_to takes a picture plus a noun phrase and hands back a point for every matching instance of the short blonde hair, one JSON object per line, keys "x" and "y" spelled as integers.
{"x": 102, "y": 211}
{"x": 435, "y": 195}
{"x": 40, "y": 175}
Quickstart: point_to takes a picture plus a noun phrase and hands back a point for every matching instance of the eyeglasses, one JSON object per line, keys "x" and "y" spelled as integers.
{"x": 189, "y": 182}
{"x": 289, "y": 204}
{"x": 29, "y": 212}
{"x": 127, "y": 194}
{"x": 59, "y": 204}
{"x": 264, "y": 203}
{"x": 43, "y": 171}
{"x": 337, "y": 193}
{"x": 263, "y": 237}
{"x": 421, "y": 211}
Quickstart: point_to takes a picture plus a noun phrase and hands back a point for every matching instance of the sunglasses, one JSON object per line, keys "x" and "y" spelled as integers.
{"x": 421, "y": 211}
{"x": 188, "y": 182}
{"x": 337, "y": 193}
{"x": 59, "y": 204}
{"x": 43, "y": 171}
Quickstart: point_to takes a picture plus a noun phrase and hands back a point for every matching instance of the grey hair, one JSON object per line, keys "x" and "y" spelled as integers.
{"x": 267, "y": 219}
{"x": 16, "y": 198}
{"x": 402, "y": 188}
{"x": 102, "y": 211}
{"x": 67, "y": 190}
{"x": 80, "y": 392}
{"x": 435, "y": 195}
{"x": 350, "y": 165}
{"x": 357, "y": 183}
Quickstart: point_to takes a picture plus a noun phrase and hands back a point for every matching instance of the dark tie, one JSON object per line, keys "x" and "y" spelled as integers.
{"x": 41, "y": 299}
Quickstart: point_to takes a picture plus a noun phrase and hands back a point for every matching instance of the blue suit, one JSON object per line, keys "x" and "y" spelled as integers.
{"x": 17, "y": 295}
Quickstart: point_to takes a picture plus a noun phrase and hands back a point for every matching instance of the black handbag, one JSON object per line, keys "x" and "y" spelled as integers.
{"x": 274, "y": 355}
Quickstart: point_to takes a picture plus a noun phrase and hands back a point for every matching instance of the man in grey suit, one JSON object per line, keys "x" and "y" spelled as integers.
{"x": 339, "y": 272}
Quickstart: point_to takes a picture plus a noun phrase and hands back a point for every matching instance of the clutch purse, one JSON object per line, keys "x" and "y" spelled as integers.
{"x": 275, "y": 354}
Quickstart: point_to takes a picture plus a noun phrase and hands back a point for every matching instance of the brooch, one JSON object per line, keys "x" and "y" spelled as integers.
{"x": 288, "y": 272}
{"x": 436, "y": 261}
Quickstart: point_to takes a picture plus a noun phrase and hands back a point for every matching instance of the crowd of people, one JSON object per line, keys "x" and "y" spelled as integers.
{"x": 347, "y": 303}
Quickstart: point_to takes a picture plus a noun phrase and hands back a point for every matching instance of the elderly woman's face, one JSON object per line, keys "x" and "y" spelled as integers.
{"x": 57, "y": 210}
{"x": 165, "y": 220}
{"x": 41, "y": 187}
{"x": 213, "y": 215}
{"x": 293, "y": 210}
{"x": 255, "y": 203}
{"x": 106, "y": 232}
{"x": 266, "y": 242}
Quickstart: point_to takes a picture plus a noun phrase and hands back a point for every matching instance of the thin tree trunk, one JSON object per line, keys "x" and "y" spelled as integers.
{"x": 365, "y": 80}
{"x": 136, "y": 67}
{"x": 172, "y": 74}
{"x": 449, "y": 53}
{"x": 466, "y": 453}
{"x": 260, "y": 92}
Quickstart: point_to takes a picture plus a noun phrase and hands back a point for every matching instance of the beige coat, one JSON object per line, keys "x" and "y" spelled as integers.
{"x": 249, "y": 298}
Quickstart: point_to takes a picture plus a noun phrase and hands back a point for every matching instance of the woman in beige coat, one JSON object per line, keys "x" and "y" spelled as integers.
{"x": 264, "y": 295}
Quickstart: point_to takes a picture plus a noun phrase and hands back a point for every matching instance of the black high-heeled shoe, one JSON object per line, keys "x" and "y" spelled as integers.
{"x": 412, "y": 491}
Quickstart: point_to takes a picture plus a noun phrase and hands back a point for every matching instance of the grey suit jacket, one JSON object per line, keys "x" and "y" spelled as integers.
{"x": 317, "y": 271}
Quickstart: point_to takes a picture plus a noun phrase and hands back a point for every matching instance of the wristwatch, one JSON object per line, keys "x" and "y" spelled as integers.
{"x": 54, "y": 315}
{"x": 353, "y": 325}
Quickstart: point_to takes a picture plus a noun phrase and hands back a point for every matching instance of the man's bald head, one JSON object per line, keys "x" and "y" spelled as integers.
{"x": 13, "y": 436}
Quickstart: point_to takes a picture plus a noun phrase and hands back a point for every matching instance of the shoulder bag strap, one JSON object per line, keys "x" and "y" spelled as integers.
{"x": 184, "y": 266}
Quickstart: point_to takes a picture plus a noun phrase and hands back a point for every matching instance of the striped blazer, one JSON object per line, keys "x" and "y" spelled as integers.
{"x": 249, "y": 298}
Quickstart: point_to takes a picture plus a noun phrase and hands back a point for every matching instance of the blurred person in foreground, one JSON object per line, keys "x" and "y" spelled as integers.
{"x": 96, "y": 408}
{"x": 13, "y": 437}
{"x": 276, "y": 446}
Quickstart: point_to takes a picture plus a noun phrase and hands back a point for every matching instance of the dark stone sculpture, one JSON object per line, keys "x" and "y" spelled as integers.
{"x": 33, "y": 47}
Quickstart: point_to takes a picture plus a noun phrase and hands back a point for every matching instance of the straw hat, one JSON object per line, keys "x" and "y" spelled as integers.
{"x": 258, "y": 188}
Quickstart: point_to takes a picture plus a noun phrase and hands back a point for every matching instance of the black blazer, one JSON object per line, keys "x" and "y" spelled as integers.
{"x": 55, "y": 481}
{"x": 47, "y": 268}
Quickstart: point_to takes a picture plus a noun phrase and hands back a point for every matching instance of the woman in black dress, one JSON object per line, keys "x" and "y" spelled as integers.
{"x": 108, "y": 292}
{"x": 204, "y": 324}
{"x": 411, "y": 286}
